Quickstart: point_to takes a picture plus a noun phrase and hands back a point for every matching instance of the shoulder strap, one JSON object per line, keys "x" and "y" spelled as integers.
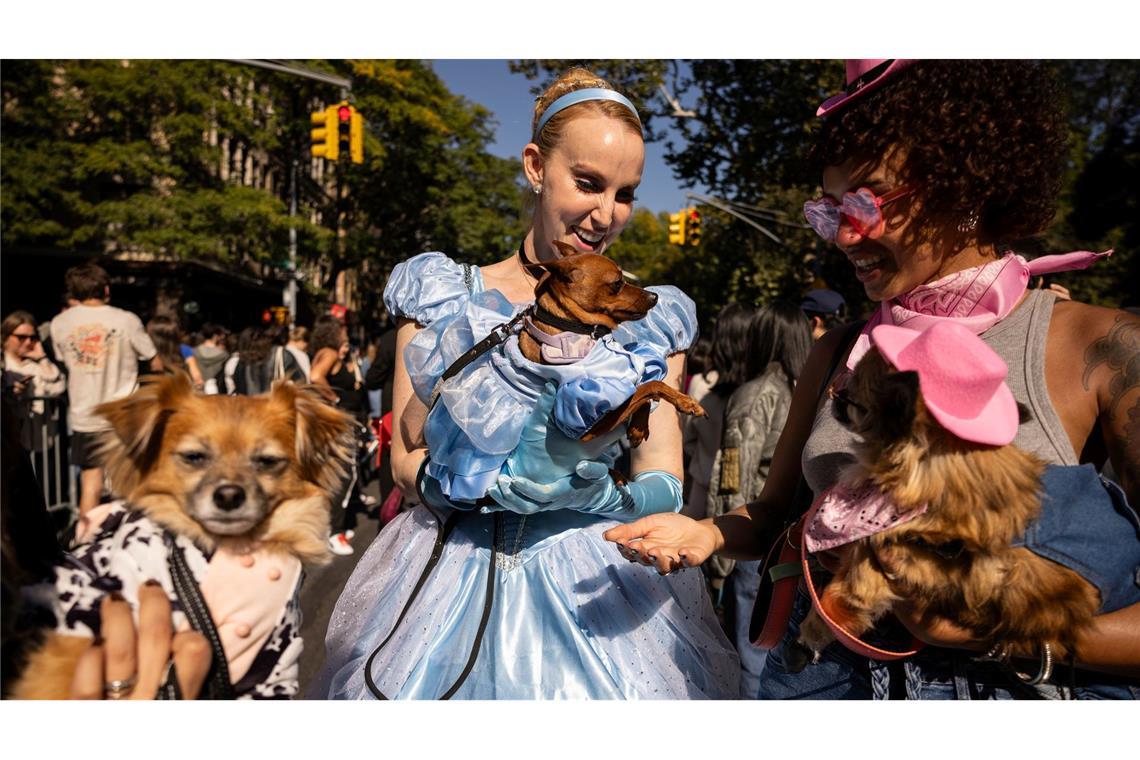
{"x": 496, "y": 336}
{"x": 218, "y": 684}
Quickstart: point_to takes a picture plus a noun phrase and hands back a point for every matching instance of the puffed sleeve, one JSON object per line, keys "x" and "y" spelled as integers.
{"x": 670, "y": 326}
{"x": 425, "y": 288}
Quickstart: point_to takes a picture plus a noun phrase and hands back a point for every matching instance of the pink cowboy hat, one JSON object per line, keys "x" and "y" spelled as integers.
{"x": 863, "y": 76}
{"x": 962, "y": 379}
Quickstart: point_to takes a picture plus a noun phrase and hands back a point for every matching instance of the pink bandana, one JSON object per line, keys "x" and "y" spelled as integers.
{"x": 978, "y": 298}
{"x": 847, "y": 514}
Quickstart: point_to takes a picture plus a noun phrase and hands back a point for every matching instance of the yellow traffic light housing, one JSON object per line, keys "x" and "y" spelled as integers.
{"x": 324, "y": 137}
{"x": 356, "y": 137}
{"x": 677, "y": 228}
{"x": 693, "y": 227}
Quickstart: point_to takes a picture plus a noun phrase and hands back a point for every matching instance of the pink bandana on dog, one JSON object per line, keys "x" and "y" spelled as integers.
{"x": 977, "y": 298}
{"x": 848, "y": 514}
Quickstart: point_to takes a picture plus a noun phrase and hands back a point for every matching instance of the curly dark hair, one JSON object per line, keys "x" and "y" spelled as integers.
{"x": 980, "y": 136}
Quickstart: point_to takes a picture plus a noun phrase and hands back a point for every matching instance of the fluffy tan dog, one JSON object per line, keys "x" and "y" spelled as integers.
{"x": 954, "y": 560}
{"x": 234, "y": 475}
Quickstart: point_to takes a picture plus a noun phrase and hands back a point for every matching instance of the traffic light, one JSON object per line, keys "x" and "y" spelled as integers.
{"x": 356, "y": 137}
{"x": 693, "y": 227}
{"x": 324, "y": 138}
{"x": 343, "y": 114}
{"x": 677, "y": 228}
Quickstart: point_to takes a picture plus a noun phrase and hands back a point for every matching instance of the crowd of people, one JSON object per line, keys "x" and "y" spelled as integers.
{"x": 523, "y": 567}
{"x": 93, "y": 352}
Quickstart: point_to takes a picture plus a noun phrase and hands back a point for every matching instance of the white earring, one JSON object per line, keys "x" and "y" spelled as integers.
{"x": 537, "y": 189}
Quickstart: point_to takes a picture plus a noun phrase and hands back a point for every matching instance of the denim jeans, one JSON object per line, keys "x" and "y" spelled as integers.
{"x": 744, "y": 585}
{"x": 933, "y": 673}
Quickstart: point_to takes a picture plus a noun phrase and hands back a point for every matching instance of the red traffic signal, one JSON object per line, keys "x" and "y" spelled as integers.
{"x": 344, "y": 113}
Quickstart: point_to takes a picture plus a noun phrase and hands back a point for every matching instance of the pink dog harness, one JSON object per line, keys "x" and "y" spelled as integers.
{"x": 561, "y": 348}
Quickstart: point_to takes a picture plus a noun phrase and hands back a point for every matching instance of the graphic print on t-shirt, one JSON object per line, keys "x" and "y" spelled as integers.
{"x": 91, "y": 344}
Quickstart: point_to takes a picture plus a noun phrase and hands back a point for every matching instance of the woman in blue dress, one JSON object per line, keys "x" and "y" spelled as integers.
{"x": 499, "y": 584}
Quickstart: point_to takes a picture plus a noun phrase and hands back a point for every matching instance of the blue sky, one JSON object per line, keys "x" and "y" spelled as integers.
{"x": 491, "y": 84}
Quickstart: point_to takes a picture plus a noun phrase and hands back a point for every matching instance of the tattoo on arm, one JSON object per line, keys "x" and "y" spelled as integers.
{"x": 1120, "y": 350}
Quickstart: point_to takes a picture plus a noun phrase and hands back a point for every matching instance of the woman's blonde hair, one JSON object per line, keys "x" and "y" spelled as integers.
{"x": 576, "y": 79}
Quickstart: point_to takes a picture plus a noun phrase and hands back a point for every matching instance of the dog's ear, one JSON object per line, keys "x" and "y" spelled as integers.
{"x": 898, "y": 396}
{"x": 323, "y": 435}
{"x": 565, "y": 268}
{"x": 132, "y": 445}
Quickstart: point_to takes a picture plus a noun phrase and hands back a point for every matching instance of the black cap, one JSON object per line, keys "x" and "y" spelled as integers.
{"x": 823, "y": 302}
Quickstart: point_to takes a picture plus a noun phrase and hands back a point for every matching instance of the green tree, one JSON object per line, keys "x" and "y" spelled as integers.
{"x": 639, "y": 79}
{"x": 1100, "y": 202}
{"x": 193, "y": 159}
{"x": 644, "y": 249}
{"x": 113, "y": 156}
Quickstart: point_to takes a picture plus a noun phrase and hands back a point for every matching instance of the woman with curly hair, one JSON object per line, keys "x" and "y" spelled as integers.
{"x": 931, "y": 171}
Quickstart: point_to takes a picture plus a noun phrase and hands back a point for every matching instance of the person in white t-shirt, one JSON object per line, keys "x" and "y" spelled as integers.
{"x": 101, "y": 347}
{"x": 298, "y": 345}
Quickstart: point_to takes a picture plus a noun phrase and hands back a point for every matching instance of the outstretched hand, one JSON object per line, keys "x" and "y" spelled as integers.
{"x": 667, "y": 541}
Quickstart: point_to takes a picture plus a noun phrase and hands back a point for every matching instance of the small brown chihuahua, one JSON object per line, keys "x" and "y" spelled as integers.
{"x": 589, "y": 289}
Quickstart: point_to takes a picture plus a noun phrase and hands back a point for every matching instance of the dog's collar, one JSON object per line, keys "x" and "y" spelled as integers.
{"x": 569, "y": 325}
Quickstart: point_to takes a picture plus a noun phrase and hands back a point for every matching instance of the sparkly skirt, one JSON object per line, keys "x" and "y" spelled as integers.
{"x": 569, "y": 618}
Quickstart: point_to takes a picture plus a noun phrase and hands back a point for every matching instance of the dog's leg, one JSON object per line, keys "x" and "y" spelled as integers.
{"x": 655, "y": 390}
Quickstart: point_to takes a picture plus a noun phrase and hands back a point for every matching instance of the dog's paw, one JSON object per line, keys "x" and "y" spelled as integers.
{"x": 689, "y": 405}
{"x": 798, "y": 656}
{"x": 814, "y": 634}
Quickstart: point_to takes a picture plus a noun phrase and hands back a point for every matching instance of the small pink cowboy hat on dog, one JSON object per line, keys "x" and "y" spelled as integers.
{"x": 863, "y": 76}
{"x": 962, "y": 379}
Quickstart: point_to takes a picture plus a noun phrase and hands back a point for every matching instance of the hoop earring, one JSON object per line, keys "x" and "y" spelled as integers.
{"x": 969, "y": 223}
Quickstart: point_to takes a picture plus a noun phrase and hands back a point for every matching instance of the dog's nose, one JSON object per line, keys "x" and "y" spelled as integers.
{"x": 229, "y": 498}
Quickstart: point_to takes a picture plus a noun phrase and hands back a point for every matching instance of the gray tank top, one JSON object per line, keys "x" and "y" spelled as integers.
{"x": 1019, "y": 339}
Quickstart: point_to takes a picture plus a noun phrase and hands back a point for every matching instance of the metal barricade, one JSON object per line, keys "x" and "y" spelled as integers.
{"x": 46, "y": 439}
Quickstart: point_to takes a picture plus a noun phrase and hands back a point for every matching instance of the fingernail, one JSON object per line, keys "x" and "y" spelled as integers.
{"x": 152, "y": 582}
{"x": 117, "y": 597}
{"x": 98, "y": 642}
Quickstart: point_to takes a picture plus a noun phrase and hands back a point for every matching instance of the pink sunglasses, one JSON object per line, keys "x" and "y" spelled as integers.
{"x": 862, "y": 209}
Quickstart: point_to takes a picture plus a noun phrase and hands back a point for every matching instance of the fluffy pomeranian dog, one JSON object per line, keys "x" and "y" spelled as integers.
{"x": 242, "y": 486}
{"x": 937, "y": 495}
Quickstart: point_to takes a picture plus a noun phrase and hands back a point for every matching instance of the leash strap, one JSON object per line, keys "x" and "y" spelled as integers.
{"x": 849, "y": 640}
{"x": 443, "y": 532}
{"x": 218, "y": 684}
{"x": 496, "y": 336}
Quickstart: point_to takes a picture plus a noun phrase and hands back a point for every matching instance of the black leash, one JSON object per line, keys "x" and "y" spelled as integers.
{"x": 443, "y": 532}
{"x": 218, "y": 684}
{"x": 497, "y": 336}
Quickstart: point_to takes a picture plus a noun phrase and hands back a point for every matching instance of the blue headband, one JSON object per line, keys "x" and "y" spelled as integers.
{"x": 580, "y": 96}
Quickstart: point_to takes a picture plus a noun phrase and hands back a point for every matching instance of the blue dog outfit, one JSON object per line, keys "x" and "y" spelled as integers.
{"x": 565, "y": 620}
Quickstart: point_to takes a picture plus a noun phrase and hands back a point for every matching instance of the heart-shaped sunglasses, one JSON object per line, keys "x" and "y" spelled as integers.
{"x": 862, "y": 209}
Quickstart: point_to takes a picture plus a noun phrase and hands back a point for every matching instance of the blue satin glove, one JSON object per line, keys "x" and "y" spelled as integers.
{"x": 591, "y": 489}
{"x": 547, "y": 459}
